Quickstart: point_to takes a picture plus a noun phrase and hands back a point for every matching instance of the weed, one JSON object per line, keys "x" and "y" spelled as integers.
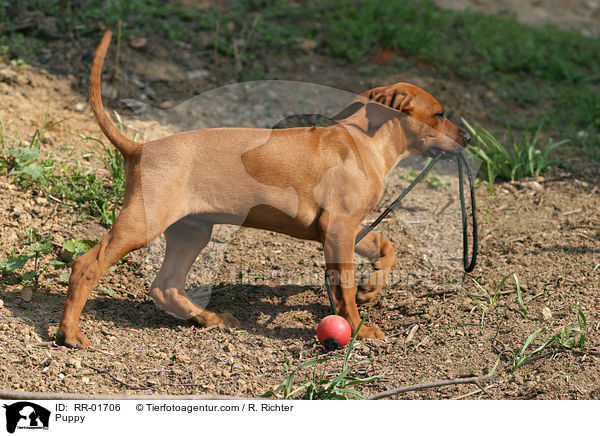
{"x": 564, "y": 339}
{"x": 491, "y": 299}
{"x": 432, "y": 180}
{"x": 86, "y": 191}
{"x": 525, "y": 158}
{"x": 34, "y": 248}
{"x": 317, "y": 386}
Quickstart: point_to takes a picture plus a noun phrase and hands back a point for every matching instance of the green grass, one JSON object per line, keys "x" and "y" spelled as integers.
{"x": 562, "y": 340}
{"x": 523, "y": 158}
{"x": 556, "y": 69}
{"x": 487, "y": 301}
{"x": 85, "y": 190}
{"x": 318, "y": 386}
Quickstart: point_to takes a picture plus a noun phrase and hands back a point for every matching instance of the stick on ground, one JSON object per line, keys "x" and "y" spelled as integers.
{"x": 436, "y": 384}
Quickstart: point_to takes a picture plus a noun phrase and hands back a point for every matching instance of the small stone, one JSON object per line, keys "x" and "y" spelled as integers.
{"x": 306, "y": 44}
{"x": 197, "y": 74}
{"x": 183, "y": 358}
{"x": 75, "y": 363}
{"x": 536, "y": 186}
{"x": 1, "y": 303}
{"x": 546, "y": 313}
{"x": 27, "y": 293}
{"x": 79, "y": 107}
{"x": 52, "y": 367}
{"x": 138, "y": 43}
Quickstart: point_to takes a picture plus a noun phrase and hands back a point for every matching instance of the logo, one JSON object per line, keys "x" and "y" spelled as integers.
{"x": 26, "y": 415}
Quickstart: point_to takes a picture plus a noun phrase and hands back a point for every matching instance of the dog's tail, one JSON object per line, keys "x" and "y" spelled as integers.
{"x": 127, "y": 147}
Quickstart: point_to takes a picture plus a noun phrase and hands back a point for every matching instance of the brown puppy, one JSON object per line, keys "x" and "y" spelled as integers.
{"x": 316, "y": 183}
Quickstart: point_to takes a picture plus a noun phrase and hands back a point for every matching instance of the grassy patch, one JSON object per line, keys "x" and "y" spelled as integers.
{"x": 318, "y": 386}
{"x": 88, "y": 192}
{"x": 524, "y": 158}
{"x": 566, "y": 338}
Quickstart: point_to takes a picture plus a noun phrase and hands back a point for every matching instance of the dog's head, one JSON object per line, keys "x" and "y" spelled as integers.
{"x": 429, "y": 131}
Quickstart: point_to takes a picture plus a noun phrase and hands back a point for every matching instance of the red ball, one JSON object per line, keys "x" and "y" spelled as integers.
{"x": 333, "y": 331}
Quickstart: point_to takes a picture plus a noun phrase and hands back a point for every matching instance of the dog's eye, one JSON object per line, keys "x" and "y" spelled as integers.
{"x": 441, "y": 116}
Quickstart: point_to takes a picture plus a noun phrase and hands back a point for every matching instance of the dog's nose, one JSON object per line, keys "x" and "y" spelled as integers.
{"x": 466, "y": 138}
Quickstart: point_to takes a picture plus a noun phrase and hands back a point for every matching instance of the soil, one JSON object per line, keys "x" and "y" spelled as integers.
{"x": 544, "y": 230}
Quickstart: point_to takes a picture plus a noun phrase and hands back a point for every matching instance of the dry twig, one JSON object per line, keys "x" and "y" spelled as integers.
{"x": 429, "y": 385}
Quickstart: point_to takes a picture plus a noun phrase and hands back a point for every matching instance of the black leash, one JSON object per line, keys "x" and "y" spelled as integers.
{"x": 468, "y": 266}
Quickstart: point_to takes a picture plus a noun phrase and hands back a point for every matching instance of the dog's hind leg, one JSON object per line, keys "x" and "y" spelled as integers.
{"x": 380, "y": 252}
{"x": 128, "y": 233}
{"x": 185, "y": 240}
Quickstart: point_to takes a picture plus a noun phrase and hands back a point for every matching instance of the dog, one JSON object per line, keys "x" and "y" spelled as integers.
{"x": 313, "y": 183}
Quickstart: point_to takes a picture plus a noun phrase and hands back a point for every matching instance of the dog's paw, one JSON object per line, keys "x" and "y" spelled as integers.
{"x": 228, "y": 319}
{"x": 208, "y": 319}
{"x": 369, "y": 287}
{"x": 72, "y": 340}
{"x": 370, "y": 332}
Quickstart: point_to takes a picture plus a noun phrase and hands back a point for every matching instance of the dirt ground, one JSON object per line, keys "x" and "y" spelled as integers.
{"x": 547, "y": 231}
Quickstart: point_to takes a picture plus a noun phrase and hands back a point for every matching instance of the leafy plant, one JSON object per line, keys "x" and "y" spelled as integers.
{"x": 319, "y": 387}
{"x": 37, "y": 249}
{"x": 33, "y": 248}
{"x": 85, "y": 190}
{"x": 524, "y": 159}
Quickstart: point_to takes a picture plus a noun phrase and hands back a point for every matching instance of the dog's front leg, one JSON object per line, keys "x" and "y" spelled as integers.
{"x": 338, "y": 245}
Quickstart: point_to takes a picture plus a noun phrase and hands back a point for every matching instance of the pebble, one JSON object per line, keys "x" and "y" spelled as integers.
{"x": 183, "y": 358}
{"x": 138, "y": 42}
{"x": 546, "y": 313}
{"x": 1, "y": 303}
{"x": 75, "y": 363}
{"x": 306, "y": 44}
{"x": 27, "y": 293}
{"x": 197, "y": 74}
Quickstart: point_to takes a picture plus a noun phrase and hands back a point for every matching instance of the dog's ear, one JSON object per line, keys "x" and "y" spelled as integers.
{"x": 378, "y": 115}
{"x": 348, "y": 110}
{"x": 398, "y": 99}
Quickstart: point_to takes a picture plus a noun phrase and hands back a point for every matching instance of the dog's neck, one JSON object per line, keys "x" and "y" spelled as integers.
{"x": 389, "y": 142}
